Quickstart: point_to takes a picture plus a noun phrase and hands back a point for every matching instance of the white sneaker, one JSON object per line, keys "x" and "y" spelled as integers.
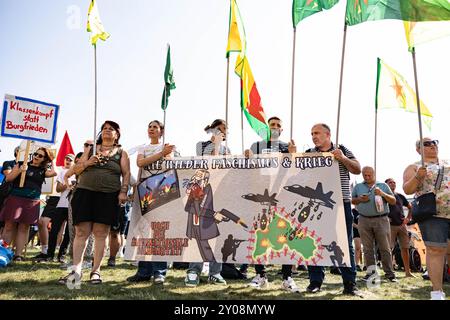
{"x": 437, "y": 295}
{"x": 290, "y": 285}
{"x": 259, "y": 282}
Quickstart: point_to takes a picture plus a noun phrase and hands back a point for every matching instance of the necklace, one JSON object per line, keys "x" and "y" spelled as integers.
{"x": 103, "y": 159}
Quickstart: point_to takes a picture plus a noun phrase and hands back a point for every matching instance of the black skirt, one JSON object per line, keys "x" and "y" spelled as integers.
{"x": 97, "y": 207}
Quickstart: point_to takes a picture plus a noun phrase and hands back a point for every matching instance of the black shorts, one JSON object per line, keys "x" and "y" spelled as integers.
{"x": 50, "y": 207}
{"x": 123, "y": 221}
{"x": 94, "y": 206}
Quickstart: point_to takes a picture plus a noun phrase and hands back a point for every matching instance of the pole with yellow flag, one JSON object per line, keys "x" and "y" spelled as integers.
{"x": 95, "y": 26}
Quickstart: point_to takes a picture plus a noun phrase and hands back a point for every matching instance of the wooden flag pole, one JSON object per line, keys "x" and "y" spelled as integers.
{"x": 94, "y": 148}
{"x": 340, "y": 84}
{"x": 413, "y": 53}
{"x": 25, "y": 158}
{"x": 292, "y": 84}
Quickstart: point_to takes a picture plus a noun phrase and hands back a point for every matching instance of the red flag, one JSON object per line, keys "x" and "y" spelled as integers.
{"x": 64, "y": 149}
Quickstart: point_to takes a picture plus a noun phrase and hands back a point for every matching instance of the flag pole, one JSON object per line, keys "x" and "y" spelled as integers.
{"x": 292, "y": 84}
{"x": 226, "y": 98}
{"x": 413, "y": 54}
{"x": 242, "y": 130}
{"x": 164, "y": 119}
{"x": 94, "y": 150}
{"x": 340, "y": 84}
{"x": 376, "y": 135}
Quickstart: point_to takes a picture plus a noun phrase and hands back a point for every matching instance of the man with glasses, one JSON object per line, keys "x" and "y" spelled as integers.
{"x": 398, "y": 225}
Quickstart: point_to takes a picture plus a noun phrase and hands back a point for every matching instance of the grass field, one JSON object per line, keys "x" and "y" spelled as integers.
{"x": 28, "y": 280}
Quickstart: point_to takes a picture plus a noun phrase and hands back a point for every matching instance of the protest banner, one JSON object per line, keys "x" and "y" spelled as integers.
{"x": 274, "y": 209}
{"x": 30, "y": 120}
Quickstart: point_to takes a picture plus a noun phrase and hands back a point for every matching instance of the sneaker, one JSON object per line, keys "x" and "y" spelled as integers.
{"x": 112, "y": 262}
{"x": 62, "y": 260}
{"x": 138, "y": 278}
{"x": 41, "y": 257}
{"x": 366, "y": 278}
{"x": 217, "y": 279}
{"x": 392, "y": 278}
{"x": 437, "y": 295}
{"x": 192, "y": 279}
{"x": 351, "y": 290}
{"x": 290, "y": 285}
{"x": 259, "y": 282}
{"x": 159, "y": 279}
{"x": 313, "y": 287}
{"x": 358, "y": 268}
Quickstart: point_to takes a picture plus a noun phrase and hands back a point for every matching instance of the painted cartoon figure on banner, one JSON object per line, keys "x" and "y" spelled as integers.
{"x": 202, "y": 218}
{"x": 230, "y": 247}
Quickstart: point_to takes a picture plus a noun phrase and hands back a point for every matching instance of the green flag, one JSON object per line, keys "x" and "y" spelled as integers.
{"x": 359, "y": 11}
{"x": 302, "y": 9}
{"x": 169, "y": 81}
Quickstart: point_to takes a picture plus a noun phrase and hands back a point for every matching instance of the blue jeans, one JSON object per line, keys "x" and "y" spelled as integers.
{"x": 317, "y": 274}
{"x": 214, "y": 267}
{"x": 152, "y": 268}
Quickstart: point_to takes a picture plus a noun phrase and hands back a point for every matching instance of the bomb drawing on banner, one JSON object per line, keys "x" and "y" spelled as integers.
{"x": 274, "y": 234}
{"x": 317, "y": 198}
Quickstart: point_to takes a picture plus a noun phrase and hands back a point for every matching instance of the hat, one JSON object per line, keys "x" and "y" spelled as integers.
{"x": 70, "y": 156}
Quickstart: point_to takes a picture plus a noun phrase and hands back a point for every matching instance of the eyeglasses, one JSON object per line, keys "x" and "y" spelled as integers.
{"x": 86, "y": 145}
{"x": 431, "y": 143}
{"x": 38, "y": 155}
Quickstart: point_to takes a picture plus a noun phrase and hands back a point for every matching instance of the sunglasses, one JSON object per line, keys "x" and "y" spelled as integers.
{"x": 86, "y": 145}
{"x": 38, "y": 155}
{"x": 431, "y": 143}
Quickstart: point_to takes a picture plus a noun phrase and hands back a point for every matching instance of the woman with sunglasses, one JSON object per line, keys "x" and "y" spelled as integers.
{"x": 102, "y": 186}
{"x": 419, "y": 180}
{"x": 21, "y": 208}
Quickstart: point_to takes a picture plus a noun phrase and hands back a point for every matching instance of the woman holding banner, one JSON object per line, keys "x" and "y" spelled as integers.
{"x": 21, "y": 208}
{"x": 147, "y": 155}
{"x": 102, "y": 187}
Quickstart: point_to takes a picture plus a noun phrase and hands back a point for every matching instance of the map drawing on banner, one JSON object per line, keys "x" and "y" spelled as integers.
{"x": 29, "y": 119}
{"x": 271, "y": 209}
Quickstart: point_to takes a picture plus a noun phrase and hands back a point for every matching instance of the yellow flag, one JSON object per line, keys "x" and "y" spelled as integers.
{"x": 394, "y": 92}
{"x": 95, "y": 25}
{"x": 421, "y": 32}
{"x": 236, "y": 32}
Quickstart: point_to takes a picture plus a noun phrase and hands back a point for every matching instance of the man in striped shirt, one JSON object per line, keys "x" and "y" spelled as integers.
{"x": 321, "y": 137}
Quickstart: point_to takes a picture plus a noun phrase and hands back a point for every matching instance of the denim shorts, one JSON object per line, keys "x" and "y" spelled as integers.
{"x": 435, "y": 232}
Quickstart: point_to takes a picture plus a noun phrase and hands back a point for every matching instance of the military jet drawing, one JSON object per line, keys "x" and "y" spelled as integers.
{"x": 263, "y": 199}
{"x": 316, "y": 197}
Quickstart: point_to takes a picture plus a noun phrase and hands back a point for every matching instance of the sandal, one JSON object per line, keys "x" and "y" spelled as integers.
{"x": 97, "y": 279}
{"x": 18, "y": 258}
{"x": 69, "y": 277}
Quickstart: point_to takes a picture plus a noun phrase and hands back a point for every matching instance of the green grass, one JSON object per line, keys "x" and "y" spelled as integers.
{"x": 28, "y": 280}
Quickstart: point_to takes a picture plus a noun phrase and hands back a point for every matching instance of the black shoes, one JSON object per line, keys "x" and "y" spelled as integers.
{"x": 138, "y": 278}
{"x": 351, "y": 290}
{"x": 313, "y": 287}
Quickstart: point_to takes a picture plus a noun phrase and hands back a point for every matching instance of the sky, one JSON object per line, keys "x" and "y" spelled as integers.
{"x": 46, "y": 55}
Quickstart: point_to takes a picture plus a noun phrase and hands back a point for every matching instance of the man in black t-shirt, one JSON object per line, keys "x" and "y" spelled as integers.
{"x": 266, "y": 147}
{"x": 398, "y": 225}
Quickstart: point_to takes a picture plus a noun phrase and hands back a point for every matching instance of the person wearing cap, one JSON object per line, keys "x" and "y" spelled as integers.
{"x": 61, "y": 214}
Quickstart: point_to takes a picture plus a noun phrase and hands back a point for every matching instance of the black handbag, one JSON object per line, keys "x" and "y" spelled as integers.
{"x": 424, "y": 206}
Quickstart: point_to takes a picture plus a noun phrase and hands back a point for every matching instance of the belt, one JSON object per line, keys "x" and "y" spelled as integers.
{"x": 381, "y": 215}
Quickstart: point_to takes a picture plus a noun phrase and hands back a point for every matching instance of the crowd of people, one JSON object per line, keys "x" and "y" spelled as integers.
{"x": 96, "y": 192}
